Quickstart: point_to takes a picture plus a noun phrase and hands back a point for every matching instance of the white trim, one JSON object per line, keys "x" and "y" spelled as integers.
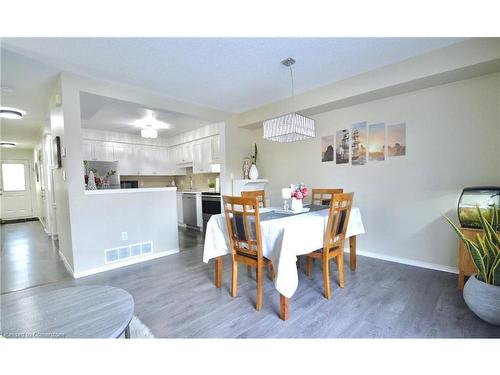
{"x": 410, "y": 262}
{"x": 135, "y": 190}
{"x": 128, "y": 262}
{"x": 66, "y": 263}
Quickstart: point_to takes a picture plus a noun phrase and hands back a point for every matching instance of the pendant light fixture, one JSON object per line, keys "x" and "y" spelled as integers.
{"x": 291, "y": 127}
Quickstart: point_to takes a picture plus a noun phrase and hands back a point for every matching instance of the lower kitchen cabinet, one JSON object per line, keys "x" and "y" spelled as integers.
{"x": 180, "y": 217}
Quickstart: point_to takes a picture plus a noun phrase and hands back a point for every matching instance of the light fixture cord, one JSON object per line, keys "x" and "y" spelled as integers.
{"x": 293, "y": 90}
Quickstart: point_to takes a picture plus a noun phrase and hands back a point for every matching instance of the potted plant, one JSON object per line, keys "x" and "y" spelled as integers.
{"x": 254, "y": 172}
{"x": 482, "y": 290}
{"x": 211, "y": 186}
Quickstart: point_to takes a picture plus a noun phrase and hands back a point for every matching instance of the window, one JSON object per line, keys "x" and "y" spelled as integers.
{"x": 13, "y": 177}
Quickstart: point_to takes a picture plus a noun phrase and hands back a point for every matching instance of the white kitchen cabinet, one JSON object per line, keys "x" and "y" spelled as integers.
{"x": 199, "y": 211}
{"x": 172, "y": 164}
{"x": 94, "y": 150}
{"x": 154, "y": 161}
{"x": 180, "y": 216}
{"x": 215, "y": 149}
{"x": 87, "y": 150}
{"x": 129, "y": 164}
{"x": 183, "y": 153}
{"x": 202, "y": 156}
{"x": 103, "y": 151}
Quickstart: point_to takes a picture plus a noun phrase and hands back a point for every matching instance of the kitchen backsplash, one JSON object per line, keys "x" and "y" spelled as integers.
{"x": 200, "y": 181}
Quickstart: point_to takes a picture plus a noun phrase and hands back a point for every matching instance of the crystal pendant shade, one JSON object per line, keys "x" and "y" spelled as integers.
{"x": 289, "y": 128}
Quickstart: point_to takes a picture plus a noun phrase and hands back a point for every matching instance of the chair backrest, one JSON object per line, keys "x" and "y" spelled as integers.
{"x": 243, "y": 226}
{"x": 259, "y": 194}
{"x": 324, "y": 196}
{"x": 338, "y": 218}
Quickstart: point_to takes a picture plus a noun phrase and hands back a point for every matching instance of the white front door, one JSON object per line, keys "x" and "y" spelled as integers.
{"x": 15, "y": 189}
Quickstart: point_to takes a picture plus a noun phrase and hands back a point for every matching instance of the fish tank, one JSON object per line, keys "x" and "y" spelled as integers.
{"x": 487, "y": 198}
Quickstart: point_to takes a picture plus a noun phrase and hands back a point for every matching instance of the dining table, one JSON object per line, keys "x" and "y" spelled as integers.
{"x": 285, "y": 236}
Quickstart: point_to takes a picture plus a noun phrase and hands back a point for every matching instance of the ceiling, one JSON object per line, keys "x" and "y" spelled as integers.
{"x": 228, "y": 74}
{"x": 30, "y": 84}
{"x": 103, "y": 113}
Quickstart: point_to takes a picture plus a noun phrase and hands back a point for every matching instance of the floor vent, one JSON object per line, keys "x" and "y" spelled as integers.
{"x": 131, "y": 251}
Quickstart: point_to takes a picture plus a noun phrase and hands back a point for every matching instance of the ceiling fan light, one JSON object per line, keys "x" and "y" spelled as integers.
{"x": 149, "y": 133}
{"x": 8, "y": 144}
{"x": 11, "y": 113}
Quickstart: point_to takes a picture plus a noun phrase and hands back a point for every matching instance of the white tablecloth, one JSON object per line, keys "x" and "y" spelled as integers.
{"x": 283, "y": 240}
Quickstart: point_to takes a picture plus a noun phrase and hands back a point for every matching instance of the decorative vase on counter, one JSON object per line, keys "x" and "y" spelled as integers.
{"x": 296, "y": 205}
{"x": 246, "y": 168}
{"x": 91, "y": 183}
{"x": 254, "y": 172}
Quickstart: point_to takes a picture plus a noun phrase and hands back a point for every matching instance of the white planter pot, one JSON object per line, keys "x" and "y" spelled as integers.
{"x": 254, "y": 172}
{"x": 296, "y": 204}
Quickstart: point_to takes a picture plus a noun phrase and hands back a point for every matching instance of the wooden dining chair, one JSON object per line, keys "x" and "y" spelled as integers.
{"x": 259, "y": 194}
{"x": 243, "y": 226}
{"x": 324, "y": 196}
{"x": 333, "y": 244}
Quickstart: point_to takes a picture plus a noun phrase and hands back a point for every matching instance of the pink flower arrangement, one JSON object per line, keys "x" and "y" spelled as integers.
{"x": 299, "y": 191}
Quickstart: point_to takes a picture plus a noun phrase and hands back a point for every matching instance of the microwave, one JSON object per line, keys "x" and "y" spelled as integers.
{"x": 129, "y": 184}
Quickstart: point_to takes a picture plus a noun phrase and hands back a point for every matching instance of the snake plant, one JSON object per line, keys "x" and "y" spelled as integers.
{"x": 485, "y": 250}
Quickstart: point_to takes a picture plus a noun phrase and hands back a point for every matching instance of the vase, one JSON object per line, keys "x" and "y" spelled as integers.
{"x": 254, "y": 172}
{"x": 483, "y": 299}
{"x": 296, "y": 205}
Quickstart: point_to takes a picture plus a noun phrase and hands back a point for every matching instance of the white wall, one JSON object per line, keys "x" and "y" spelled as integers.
{"x": 89, "y": 224}
{"x": 452, "y": 142}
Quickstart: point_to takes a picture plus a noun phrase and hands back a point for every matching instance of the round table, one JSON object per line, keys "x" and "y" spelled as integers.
{"x": 76, "y": 312}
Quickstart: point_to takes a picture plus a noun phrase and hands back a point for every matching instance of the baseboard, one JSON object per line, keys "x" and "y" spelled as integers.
{"x": 128, "y": 262}
{"x": 21, "y": 220}
{"x": 410, "y": 262}
{"x": 66, "y": 263}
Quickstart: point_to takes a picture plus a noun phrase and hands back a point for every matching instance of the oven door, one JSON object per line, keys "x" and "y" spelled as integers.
{"x": 210, "y": 205}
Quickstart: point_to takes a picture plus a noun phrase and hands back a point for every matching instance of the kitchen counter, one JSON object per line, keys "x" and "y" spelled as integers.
{"x": 135, "y": 190}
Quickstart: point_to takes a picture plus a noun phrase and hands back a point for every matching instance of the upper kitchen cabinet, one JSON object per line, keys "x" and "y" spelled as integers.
{"x": 154, "y": 160}
{"x": 202, "y": 152}
{"x": 215, "y": 143}
{"x": 129, "y": 164}
{"x": 100, "y": 151}
{"x": 206, "y": 154}
{"x": 183, "y": 154}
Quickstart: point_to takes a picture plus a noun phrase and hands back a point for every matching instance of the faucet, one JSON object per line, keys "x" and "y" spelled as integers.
{"x": 190, "y": 182}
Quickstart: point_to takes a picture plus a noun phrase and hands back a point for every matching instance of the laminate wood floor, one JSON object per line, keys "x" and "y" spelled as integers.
{"x": 29, "y": 258}
{"x": 176, "y": 298}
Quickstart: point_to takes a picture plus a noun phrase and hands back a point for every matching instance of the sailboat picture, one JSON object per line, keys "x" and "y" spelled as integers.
{"x": 358, "y": 143}
{"x": 342, "y": 147}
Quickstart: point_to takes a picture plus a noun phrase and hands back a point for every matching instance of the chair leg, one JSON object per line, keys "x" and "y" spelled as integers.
{"x": 260, "y": 287}
{"x": 308, "y": 266}
{"x": 340, "y": 264}
{"x": 234, "y": 279}
{"x": 326, "y": 276}
{"x": 271, "y": 270}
